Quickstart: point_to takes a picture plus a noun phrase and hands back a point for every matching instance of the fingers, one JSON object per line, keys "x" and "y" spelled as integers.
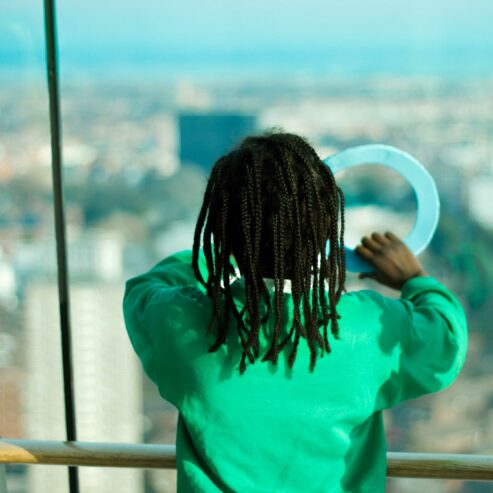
{"x": 364, "y": 252}
{"x": 374, "y": 246}
{"x": 376, "y": 243}
{"x": 379, "y": 238}
{"x": 371, "y": 244}
{"x": 391, "y": 236}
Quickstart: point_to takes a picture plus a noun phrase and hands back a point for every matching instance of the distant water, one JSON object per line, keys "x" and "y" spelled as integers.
{"x": 458, "y": 62}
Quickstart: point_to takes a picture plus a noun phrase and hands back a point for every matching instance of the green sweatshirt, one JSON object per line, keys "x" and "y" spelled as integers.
{"x": 273, "y": 429}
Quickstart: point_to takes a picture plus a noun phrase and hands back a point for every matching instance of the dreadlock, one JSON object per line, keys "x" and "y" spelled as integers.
{"x": 273, "y": 204}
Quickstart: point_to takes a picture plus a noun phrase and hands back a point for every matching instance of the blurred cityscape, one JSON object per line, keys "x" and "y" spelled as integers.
{"x": 136, "y": 160}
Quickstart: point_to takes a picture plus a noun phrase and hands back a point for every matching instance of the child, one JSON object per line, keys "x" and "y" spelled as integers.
{"x": 278, "y": 374}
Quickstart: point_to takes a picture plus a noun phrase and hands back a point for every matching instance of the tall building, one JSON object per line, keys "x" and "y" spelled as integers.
{"x": 107, "y": 377}
{"x": 204, "y": 137}
{"x": 11, "y": 402}
{"x": 94, "y": 255}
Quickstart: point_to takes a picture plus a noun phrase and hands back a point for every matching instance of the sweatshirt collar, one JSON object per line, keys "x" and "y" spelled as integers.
{"x": 269, "y": 282}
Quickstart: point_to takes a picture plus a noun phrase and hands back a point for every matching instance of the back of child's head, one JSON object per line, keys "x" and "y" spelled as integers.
{"x": 272, "y": 204}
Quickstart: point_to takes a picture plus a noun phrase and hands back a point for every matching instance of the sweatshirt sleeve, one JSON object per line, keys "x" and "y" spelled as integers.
{"x": 157, "y": 285}
{"x": 430, "y": 342}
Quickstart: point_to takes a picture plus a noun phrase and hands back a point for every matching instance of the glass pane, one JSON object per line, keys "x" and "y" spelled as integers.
{"x": 31, "y": 401}
{"x": 157, "y": 91}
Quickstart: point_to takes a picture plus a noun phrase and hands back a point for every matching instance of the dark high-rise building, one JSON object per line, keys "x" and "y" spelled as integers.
{"x": 204, "y": 137}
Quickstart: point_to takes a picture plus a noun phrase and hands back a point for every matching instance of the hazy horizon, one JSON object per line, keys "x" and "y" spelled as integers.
{"x": 217, "y": 36}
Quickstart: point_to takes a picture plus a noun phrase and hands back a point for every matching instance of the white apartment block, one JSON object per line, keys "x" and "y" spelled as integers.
{"x": 108, "y": 390}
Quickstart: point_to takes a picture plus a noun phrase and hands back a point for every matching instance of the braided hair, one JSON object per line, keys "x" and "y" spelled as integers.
{"x": 273, "y": 204}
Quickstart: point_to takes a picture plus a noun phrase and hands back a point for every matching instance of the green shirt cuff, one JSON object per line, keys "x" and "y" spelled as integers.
{"x": 417, "y": 284}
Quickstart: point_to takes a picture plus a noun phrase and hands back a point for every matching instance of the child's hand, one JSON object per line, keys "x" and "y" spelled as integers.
{"x": 394, "y": 263}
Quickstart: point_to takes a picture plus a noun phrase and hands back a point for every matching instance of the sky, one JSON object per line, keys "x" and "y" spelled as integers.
{"x": 264, "y": 33}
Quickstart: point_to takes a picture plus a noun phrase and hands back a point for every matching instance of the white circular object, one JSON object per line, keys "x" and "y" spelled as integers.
{"x": 427, "y": 200}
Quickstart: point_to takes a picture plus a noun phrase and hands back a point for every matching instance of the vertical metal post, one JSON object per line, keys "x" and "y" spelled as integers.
{"x": 3, "y": 478}
{"x": 63, "y": 288}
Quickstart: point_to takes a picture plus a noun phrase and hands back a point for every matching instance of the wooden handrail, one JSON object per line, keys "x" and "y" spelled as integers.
{"x": 410, "y": 465}
{"x": 443, "y": 466}
{"x": 20, "y": 451}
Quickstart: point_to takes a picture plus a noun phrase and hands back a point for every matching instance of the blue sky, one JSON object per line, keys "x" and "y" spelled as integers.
{"x": 267, "y": 32}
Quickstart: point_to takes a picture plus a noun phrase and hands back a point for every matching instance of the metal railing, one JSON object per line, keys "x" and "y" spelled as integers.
{"x": 60, "y": 227}
{"x": 404, "y": 465}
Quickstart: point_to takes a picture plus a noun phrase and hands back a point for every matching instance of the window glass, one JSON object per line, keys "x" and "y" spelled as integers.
{"x": 153, "y": 93}
{"x": 158, "y": 91}
{"x": 31, "y": 400}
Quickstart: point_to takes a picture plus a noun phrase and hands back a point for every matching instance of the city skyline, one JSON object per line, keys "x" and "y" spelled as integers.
{"x": 124, "y": 176}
